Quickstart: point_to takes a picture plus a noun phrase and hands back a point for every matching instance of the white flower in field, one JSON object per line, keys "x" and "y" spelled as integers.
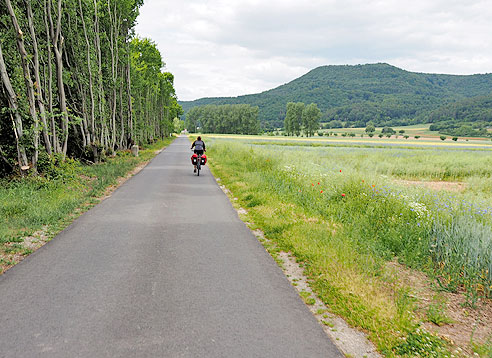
{"x": 418, "y": 208}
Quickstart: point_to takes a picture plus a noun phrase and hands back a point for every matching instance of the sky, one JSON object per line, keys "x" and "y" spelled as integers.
{"x": 235, "y": 47}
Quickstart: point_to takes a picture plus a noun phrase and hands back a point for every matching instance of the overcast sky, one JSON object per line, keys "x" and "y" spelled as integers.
{"x": 235, "y": 47}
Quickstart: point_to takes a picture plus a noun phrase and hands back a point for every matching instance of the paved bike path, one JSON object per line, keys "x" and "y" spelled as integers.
{"x": 162, "y": 268}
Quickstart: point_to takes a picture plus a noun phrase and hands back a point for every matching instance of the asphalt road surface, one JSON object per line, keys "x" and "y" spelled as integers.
{"x": 162, "y": 268}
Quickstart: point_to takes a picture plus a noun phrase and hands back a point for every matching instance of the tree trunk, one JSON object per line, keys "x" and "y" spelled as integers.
{"x": 53, "y": 132}
{"x": 57, "y": 40}
{"x": 27, "y": 80}
{"x": 17, "y": 123}
{"x": 97, "y": 41}
{"x": 122, "y": 122}
{"x": 37, "y": 77}
{"x": 89, "y": 67}
{"x": 129, "y": 90}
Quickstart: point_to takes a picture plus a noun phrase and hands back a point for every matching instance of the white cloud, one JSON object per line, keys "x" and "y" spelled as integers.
{"x": 230, "y": 48}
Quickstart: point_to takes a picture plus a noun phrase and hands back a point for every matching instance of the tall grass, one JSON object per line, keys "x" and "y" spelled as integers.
{"x": 340, "y": 211}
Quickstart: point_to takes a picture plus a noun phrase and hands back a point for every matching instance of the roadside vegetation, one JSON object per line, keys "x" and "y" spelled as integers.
{"x": 34, "y": 209}
{"x": 347, "y": 216}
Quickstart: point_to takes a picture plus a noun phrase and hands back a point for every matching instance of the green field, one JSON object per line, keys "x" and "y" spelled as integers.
{"x": 346, "y": 208}
{"x": 421, "y": 130}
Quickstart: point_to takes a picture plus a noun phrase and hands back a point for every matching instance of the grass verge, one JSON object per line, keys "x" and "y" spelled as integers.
{"x": 34, "y": 209}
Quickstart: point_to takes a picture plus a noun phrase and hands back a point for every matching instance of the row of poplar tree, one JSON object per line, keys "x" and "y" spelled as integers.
{"x": 75, "y": 80}
{"x": 228, "y": 118}
{"x": 301, "y": 118}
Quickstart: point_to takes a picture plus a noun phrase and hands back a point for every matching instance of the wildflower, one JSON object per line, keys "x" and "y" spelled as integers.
{"x": 340, "y": 170}
{"x": 312, "y": 184}
{"x": 343, "y": 195}
{"x": 318, "y": 183}
{"x": 321, "y": 191}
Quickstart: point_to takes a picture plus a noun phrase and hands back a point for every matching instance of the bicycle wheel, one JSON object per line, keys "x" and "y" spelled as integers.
{"x": 198, "y": 167}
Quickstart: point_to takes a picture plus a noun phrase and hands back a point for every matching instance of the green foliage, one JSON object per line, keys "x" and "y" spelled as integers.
{"x": 483, "y": 350}
{"x": 421, "y": 343}
{"x": 310, "y": 119}
{"x": 388, "y": 130}
{"x": 460, "y": 128}
{"x": 436, "y": 314}
{"x": 55, "y": 167}
{"x": 293, "y": 122}
{"x": 234, "y": 119}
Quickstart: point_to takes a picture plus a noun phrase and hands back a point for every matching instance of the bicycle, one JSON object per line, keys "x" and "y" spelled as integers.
{"x": 198, "y": 160}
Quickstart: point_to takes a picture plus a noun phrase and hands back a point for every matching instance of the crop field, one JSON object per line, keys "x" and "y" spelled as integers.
{"x": 348, "y": 209}
{"x": 421, "y": 130}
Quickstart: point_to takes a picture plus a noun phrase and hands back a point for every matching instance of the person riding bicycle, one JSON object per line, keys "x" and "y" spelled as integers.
{"x": 199, "y": 146}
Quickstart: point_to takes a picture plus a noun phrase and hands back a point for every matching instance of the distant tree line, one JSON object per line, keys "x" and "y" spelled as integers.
{"x": 300, "y": 118}
{"x": 467, "y": 118}
{"x": 229, "y": 118}
{"x": 75, "y": 81}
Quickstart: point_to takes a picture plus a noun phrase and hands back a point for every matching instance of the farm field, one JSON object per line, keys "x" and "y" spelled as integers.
{"x": 421, "y": 130}
{"x": 395, "y": 235}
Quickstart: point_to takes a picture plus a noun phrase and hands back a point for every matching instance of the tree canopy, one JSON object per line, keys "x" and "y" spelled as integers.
{"x": 234, "y": 119}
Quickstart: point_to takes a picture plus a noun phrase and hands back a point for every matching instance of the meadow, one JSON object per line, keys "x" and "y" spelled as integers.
{"x": 348, "y": 210}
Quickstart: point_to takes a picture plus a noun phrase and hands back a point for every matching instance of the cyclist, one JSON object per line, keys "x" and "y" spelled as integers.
{"x": 199, "y": 145}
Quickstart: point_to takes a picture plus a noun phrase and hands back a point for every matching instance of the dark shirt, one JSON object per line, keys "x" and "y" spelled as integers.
{"x": 198, "y": 144}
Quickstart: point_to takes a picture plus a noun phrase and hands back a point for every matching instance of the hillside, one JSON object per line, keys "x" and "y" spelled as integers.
{"x": 356, "y": 94}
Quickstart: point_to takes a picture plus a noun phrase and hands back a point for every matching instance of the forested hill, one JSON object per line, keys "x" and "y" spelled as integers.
{"x": 356, "y": 94}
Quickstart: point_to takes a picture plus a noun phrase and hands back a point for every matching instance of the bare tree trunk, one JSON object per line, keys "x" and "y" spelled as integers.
{"x": 89, "y": 67}
{"x": 113, "y": 47}
{"x": 122, "y": 122}
{"x": 37, "y": 77}
{"x": 53, "y": 130}
{"x": 57, "y": 40}
{"x": 17, "y": 123}
{"x": 27, "y": 80}
{"x": 129, "y": 91}
{"x": 99, "y": 79}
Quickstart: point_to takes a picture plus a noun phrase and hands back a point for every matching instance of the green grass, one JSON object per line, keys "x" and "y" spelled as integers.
{"x": 483, "y": 350}
{"x": 343, "y": 214}
{"x": 34, "y": 203}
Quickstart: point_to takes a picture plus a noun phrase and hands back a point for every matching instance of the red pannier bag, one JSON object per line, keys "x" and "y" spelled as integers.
{"x": 204, "y": 159}
{"x": 194, "y": 159}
